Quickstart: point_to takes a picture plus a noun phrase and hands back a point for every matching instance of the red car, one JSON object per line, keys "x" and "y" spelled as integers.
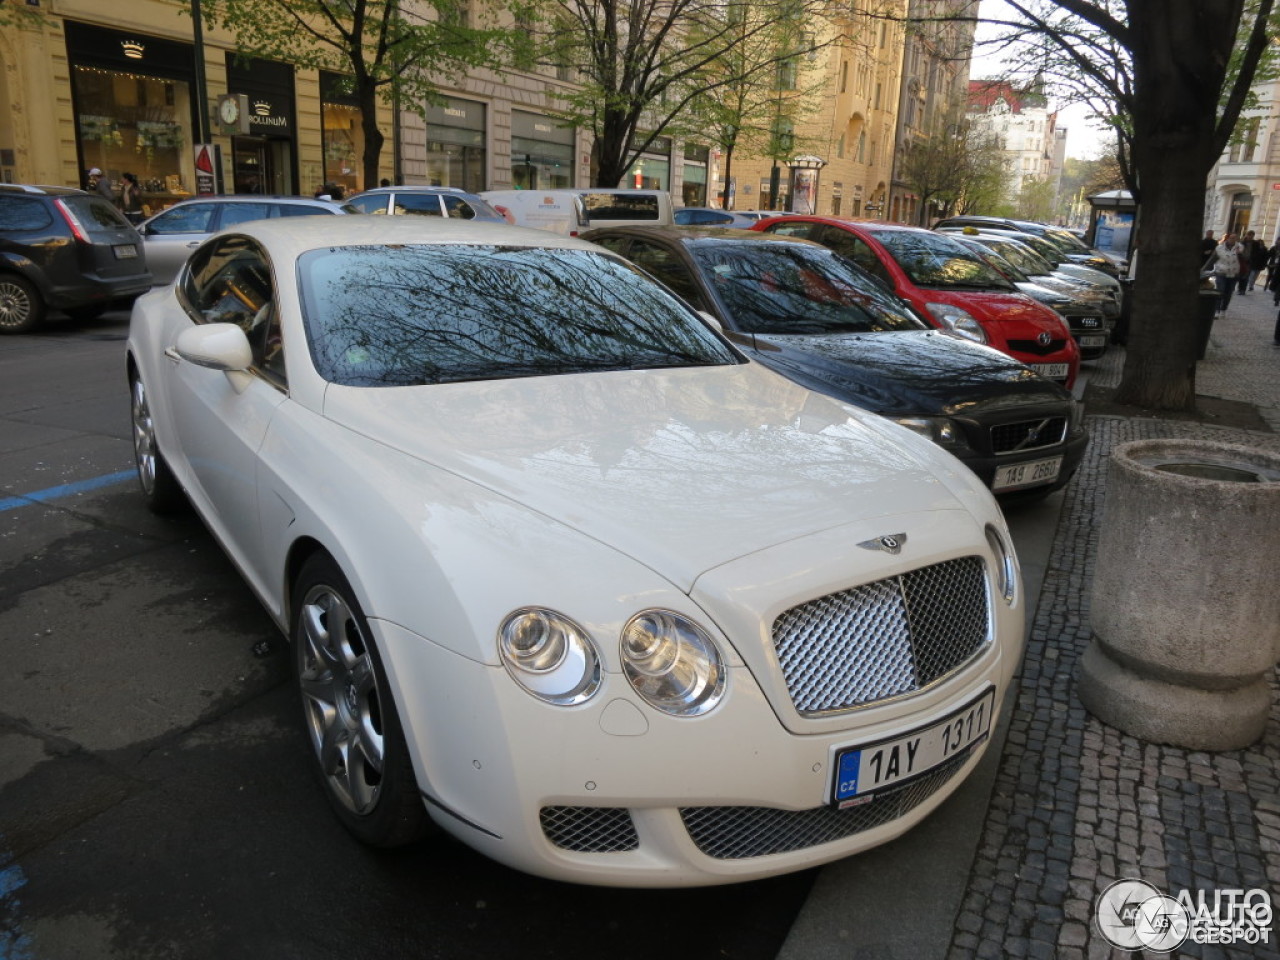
{"x": 951, "y": 286}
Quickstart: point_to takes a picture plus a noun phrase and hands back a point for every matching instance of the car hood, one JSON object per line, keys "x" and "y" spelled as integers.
{"x": 911, "y": 373}
{"x": 682, "y": 470}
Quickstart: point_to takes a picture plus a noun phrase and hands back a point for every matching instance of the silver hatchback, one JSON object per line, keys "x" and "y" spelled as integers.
{"x": 171, "y": 235}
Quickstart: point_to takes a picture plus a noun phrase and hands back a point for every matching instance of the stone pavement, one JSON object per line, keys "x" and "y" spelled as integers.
{"x": 1077, "y": 804}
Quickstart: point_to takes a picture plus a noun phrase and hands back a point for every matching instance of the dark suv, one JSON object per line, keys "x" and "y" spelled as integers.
{"x": 66, "y": 249}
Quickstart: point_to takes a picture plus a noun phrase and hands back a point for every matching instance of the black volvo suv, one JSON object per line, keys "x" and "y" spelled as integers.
{"x": 64, "y": 249}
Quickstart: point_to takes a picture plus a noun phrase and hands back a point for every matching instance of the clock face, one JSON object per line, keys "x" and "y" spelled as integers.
{"x": 230, "y": 111}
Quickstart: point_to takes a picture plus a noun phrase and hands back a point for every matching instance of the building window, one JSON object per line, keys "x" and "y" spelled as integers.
{"x": 787, "y": 71}
{"x": 456, "y": 155}
{"x": 342, "y": 134}
{"x": 844, "y": 76}
{"x": 541, "y": 152}
{"x": 693, "y": 190}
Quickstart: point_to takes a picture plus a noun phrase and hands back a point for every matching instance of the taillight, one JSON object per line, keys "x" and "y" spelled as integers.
{"x": 77, "y": 229}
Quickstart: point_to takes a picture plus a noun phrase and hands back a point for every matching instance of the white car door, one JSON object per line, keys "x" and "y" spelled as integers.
{"x": 220, "y": 425}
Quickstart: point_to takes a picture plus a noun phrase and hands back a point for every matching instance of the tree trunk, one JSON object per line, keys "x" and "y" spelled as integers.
{"x": 1180, "y": 48}
{"x": 611, "y": 149}
{"x": 728, "y": 170}
{"x": 373, "y": 138}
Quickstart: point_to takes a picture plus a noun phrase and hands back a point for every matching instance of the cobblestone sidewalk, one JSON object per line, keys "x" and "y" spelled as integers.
{"x": 1078, "y": 805}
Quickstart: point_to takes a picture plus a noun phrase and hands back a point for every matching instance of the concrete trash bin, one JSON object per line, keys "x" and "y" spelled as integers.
{"x": 1186, "y": 594}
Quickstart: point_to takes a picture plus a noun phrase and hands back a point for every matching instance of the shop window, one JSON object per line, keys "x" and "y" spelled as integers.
{"x": 129, "y": 123}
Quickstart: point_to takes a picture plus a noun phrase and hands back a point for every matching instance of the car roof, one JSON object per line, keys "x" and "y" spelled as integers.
{"x": 293, "y": 236}
{"x": 413, "y": 188}
{"x": 37, "y": 189}
{"x": 255, "y": 198}
{"x": 697, "y": 233}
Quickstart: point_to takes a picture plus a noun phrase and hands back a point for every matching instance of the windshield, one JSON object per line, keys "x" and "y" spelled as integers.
{"x": 384, "y": 316}
{"x": 934, "y": 260}
{"x": 1042, "y": 247}
{"x": 1020, "y": 256}
{"x": 1002, "y": 264}
{"x": 794, "y": 288}
{"x": 1068, "y": 241}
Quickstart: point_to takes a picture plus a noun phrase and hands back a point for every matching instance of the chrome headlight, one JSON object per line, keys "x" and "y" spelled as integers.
{"x": 549, "y": 655}
{"x": 672, "y": 663}
{"x": 940, "y": 430}
{"x": 959, "y": 321}
{"x": 1006, "y": 566}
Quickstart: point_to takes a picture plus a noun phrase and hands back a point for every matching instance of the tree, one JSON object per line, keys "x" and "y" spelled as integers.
{"x": 752, "y": 110}
{"x": 388, "y": 50}
{"x": 1170, "y": 77}
{"x": 643, "y": 62}
{"x": 959, "y": 167}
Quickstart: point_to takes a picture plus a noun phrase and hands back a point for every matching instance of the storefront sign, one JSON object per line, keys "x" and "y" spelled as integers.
{"x": 206, "y": 179}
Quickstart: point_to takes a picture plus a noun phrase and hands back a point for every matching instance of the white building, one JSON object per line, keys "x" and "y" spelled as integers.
{"x": 1243, "y": 192}
{"x": 1028, "y": 129}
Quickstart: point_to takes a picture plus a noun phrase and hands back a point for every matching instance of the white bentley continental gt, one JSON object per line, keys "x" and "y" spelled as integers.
{"x": 564, "y": 573}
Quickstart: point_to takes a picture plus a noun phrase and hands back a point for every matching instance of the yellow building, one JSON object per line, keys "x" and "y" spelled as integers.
{"x": 85, "y": 84}
{"x": 850, "y": 90}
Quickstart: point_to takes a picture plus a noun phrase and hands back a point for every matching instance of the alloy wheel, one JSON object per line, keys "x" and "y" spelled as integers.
{"x": 340, "y": 698}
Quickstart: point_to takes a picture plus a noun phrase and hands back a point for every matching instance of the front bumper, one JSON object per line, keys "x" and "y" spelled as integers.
{"x": 613, "y": 792}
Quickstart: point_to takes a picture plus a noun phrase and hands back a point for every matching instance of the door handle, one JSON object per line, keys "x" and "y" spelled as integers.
{"x": 172, "y": 354}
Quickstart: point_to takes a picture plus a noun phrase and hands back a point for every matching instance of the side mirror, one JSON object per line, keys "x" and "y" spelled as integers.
{"x": 218, "y": 346}
{"x": 712, "y": 322}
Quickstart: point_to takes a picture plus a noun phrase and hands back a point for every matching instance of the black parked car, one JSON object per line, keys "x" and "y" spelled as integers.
{"x": 822, "y": 321}
{"x": 64, "y": 249}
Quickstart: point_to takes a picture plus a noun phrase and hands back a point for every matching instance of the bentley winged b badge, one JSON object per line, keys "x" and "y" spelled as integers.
{"x": 890, "y": 543}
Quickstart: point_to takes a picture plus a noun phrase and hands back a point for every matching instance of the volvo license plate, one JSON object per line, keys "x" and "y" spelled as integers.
{"x": 862, "y": 771}
{"x": 1030, "y": 474}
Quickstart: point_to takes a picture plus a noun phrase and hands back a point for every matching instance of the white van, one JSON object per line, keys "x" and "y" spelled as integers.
{"x": 571, "y": 212}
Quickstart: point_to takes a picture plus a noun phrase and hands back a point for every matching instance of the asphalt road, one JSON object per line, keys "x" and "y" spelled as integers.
{"x": 156, "y": 795}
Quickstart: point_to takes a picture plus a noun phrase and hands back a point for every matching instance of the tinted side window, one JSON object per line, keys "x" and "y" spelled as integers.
{"x": 370, "y": 204}
{"x": 228, "y": 281}
{"x": 95, "y": 212}
{"x": 617, "y": 206}
{"x": 669, "y": 268}
{"x": 300, "y": 210}
{"x": 458, "y": 208}
{"x": 791, "y": 229}
{"x": 422, "y": 205}
{"x": 192, "y": 219}
{"x": 24, "y": 213}
{"x": 233, "y": 213}
{"x": 855, "y": 249}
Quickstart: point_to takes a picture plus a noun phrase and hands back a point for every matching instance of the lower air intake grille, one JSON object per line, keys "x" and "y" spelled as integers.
{"x": 590, "y": 829}
{"x": 736, "y": 833}
{"x": 883, "y": 639}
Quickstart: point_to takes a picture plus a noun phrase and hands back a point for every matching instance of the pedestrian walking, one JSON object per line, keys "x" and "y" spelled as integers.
{"x": 1246, "y": 255}
{"x": 100, "y": 184}
{"x": 131, "y": 198}
{"x": 1225, "y": 264}
{"x": 1259, "y": 257}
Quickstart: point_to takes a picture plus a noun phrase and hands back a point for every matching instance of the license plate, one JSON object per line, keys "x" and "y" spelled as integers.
{"x": 1093, "y": 341}
{"x": 862, "y": 771}
{"x": 125, "y": 250}
{"x": 1054, "y": 371}
{"x": 1026, "y": 474}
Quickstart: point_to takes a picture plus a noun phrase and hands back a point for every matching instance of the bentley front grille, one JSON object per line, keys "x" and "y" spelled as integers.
{"x": 883, "y": 639}
{"x": 736, "y": 833}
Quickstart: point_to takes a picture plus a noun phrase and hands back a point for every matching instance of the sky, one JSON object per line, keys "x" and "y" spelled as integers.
{"x": 1084, "y": 141}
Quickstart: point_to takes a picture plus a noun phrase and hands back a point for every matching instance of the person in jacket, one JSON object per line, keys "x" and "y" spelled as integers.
{"x": 1259, "y": 256}
{"x": 1225, "y": 266}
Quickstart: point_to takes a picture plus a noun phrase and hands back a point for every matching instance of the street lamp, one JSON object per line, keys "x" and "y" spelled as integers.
{"x": 804, "y": 183}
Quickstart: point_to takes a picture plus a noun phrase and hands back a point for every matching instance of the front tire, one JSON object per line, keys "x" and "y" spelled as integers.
{"x": 350, "y": 716}
{"x": 21, "y": 309}
{"x": 160, "y": 487}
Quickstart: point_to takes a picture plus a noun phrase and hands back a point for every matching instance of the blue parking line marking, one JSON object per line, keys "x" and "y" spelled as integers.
{"x": 65, "y": 490}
